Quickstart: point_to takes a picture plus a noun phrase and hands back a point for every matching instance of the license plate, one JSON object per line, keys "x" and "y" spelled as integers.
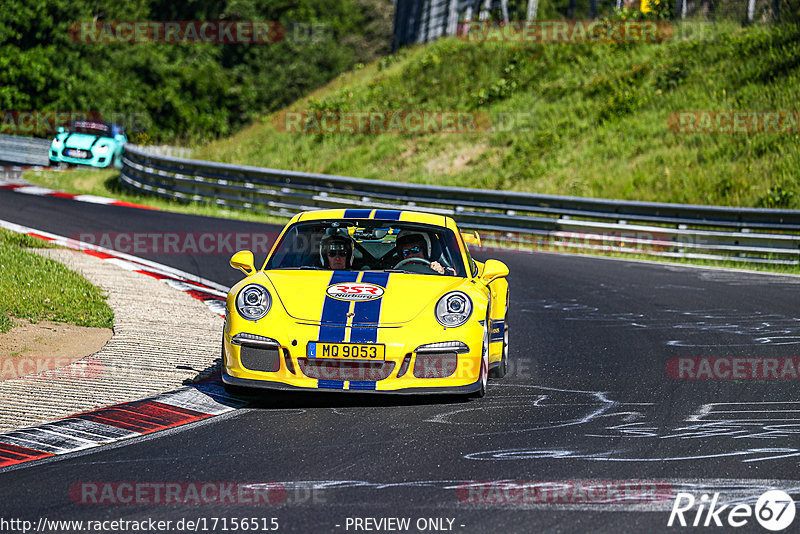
{"x": 75, "y": 153}
{"x": 347, "y": 351}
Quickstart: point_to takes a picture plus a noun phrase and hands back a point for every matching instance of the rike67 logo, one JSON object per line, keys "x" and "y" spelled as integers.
{"x": 774, "y": 510}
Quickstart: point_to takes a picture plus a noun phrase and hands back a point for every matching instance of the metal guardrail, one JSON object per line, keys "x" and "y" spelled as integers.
{"x": 514, "y": 220}
{"x": 24, "y": 150}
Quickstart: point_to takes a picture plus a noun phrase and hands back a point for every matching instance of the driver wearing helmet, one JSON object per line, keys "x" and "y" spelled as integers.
{"x": 336, "y": 252}
{"x": 415, "y": 245}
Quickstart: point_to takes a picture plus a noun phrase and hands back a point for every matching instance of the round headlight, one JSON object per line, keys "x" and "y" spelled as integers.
{"x": 453, "y": 309}
{"x": 103, "y": 149}
{"x": 253, "y": 302}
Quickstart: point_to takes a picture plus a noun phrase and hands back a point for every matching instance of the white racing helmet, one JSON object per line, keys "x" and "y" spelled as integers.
{"x": 410, "y": 236}
{"x": 334, "y": 242}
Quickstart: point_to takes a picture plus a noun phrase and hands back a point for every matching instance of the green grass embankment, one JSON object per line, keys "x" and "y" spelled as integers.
{"x": 36, "y": 288}
{"x": 598, "y": 119}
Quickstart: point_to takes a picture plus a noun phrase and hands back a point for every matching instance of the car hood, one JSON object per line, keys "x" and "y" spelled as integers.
{"x": 305, "y": 295}
{"x": 84, "y": 141}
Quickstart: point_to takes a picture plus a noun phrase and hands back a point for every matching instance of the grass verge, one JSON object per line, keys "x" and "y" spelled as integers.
{"x": 36, "y": 288}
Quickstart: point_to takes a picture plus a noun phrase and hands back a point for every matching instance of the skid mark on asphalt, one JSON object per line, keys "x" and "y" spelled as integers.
{"x": 590, "y": 405}
{"x": 736, "y": 278}
{"x": 751, "y": 455}
{"x": 755, "y": 327}
{"x": 713, "y": 430}
{"x": 648, "y": 495}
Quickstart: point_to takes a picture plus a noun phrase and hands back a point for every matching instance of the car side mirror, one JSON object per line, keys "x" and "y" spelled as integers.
{"x": 471, "y": 239}
{"x": 61, "y": 129}
{"x": 492, "y": 270}
{"x": 243, "y": 260}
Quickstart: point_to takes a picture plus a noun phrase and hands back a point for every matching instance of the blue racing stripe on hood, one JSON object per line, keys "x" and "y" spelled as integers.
{"x": 368, "y": 313}
{"x": 334, "y": 311}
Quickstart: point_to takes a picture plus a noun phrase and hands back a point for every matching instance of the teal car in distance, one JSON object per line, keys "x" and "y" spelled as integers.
{"x": 88, "y": 142}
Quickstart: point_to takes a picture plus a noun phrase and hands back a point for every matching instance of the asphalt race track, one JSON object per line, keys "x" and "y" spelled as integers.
{"x": 588, "y": 399}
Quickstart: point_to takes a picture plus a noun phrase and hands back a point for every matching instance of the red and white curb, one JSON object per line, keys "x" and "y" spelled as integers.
{"x": 28, "y": 189}
{"x": 114, "y": 423}
{"x": 207, "y": 291}
{"x": 129, "y": 419}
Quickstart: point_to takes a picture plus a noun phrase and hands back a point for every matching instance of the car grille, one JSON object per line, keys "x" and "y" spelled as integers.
{"x": 261, "y": 359}
{"x": 78, "y": 153}
{"x": 345, "y": 370}
{"x": 435, "y": 364}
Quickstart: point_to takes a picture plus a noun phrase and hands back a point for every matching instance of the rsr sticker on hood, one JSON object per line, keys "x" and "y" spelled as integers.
{"x": 355, "y": 291}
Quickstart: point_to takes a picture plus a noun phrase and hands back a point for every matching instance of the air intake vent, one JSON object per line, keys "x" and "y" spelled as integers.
{"x": 435, "y": 364}
{"x": 257, "y": 359}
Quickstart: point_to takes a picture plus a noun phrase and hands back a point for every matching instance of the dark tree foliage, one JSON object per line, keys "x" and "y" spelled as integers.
{"x": 187, "y": 91}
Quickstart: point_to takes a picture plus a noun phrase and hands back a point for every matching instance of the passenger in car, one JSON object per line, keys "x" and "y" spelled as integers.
{"x": 415, "y": 245}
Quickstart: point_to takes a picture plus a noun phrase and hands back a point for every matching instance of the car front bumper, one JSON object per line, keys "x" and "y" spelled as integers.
{"x": 284, "y": 363}
{"x": 96, "y": 160}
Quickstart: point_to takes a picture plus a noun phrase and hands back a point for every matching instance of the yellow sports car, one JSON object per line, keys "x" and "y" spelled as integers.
{"x": 368, "y": 301}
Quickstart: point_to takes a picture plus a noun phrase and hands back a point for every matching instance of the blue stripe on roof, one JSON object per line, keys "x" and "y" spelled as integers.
{"x": 368, "y": 313}
{"x": 391, "y": 215}
{"x": 334, "y": 312}
{"x": 357, "y": 214}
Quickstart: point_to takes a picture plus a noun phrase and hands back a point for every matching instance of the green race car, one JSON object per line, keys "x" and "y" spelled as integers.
{"x": 88, "y": 142}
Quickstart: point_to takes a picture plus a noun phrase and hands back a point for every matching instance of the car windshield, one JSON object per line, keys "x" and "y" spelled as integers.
{"x": 99, "y": 129}
{"x": 368, "y": 245}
